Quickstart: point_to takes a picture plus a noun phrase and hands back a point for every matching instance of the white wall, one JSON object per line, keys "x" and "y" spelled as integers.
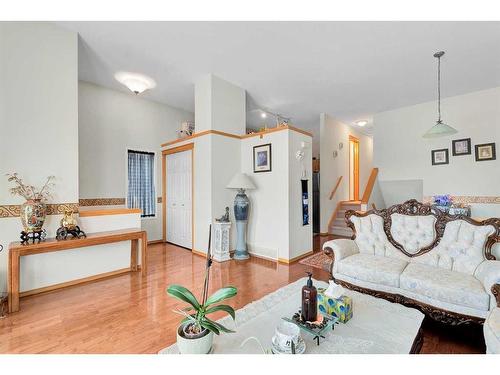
{"x": 300, "y": 235}
{"x": 268, "y": 221}
{"x": 110, "y": 123}
{"x": 219, "y": 105}
{"x": 402, "y": 154}
{"x": 275, "y": 227}
{"x": 333, "y": 132}
{"x": 38, "y": 118}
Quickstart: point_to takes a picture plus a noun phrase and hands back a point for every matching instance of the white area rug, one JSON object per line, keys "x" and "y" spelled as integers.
{"x": 377, "y": 326}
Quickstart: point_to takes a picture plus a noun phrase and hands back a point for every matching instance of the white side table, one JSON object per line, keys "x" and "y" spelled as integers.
{"x": 221, "y": 242}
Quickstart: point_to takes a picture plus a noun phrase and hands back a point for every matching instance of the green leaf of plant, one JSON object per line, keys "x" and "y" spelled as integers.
{"x": 183, "y": 294}
{"x": 220, "y": 327}
{"x": 225, "y": 308}
{"x": 221, "y": 294}
{"x": 210, "y": 327}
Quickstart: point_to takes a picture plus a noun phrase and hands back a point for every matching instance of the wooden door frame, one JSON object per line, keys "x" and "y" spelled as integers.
{"x": 186, "y": 147}
{"x": 354, "y": 140}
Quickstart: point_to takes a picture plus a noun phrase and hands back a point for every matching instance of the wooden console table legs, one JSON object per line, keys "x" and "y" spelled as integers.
{"x": 17, "y": 250}
{"x": 13, "y": 282}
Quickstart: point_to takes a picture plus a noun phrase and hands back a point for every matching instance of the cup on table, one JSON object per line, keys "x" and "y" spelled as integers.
{"x": 286, "y": 333}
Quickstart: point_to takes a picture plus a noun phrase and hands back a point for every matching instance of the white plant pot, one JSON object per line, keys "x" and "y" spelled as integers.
{"x": 200, "y": 345}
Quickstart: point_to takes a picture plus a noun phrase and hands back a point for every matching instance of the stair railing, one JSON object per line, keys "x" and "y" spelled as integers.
{"x": 369, "y": 186}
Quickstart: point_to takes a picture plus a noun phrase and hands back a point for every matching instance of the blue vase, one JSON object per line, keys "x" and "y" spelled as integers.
{"x": 241, "y": 206}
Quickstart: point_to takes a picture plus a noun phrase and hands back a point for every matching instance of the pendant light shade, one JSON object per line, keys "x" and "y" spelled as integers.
{"x": 440, "y": 129}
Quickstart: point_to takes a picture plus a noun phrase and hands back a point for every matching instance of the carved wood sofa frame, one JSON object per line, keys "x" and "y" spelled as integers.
{"x": 415, "y": 208}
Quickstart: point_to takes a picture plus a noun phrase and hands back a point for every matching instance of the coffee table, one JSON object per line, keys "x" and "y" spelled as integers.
{"x": 377, "y": 326}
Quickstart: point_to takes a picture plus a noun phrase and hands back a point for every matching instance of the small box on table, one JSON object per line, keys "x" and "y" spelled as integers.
{"x": 338, "y": 307}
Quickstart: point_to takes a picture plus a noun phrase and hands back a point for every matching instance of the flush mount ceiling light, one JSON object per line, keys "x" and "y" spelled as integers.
{"x": 263, "y": 114}
{"x": 440, "y": 129}
{"x": 361, "y": 123}
{"x": 137, "y": 83}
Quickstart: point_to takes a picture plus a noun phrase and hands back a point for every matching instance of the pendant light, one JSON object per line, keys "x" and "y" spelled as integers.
{"x": 440, "y": 129}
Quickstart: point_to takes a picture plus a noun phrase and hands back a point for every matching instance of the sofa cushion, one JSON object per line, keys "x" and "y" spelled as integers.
{"x": 372, "y": 268}
{"x": 445, "y": 285}
{"x": 461, "y": 249}
{"x": 413, "y": 232}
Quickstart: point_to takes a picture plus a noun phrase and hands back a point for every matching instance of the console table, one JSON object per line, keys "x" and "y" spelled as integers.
{"x": 17, "y": 250}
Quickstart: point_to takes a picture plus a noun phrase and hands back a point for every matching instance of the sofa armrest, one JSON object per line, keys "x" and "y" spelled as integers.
{"x": 339, "y": 249}
{"x": 488, "y": 272}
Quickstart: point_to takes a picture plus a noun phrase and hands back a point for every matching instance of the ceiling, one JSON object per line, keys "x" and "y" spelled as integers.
{"x": 350, "y": 70}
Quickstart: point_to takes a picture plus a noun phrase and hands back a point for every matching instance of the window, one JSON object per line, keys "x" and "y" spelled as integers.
{"x": 141, "y": 187}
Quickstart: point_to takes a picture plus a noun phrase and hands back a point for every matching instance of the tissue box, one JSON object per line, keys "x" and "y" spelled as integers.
{"x": 339, "y": 307}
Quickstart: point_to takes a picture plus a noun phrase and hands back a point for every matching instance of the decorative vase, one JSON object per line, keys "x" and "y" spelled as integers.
{"x": 33, "y": 214}
{"x": 241, "y": 205}
{"x": 199, "y": 344}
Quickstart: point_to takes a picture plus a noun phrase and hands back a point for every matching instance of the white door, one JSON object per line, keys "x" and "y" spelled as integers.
{"x": 179, "y": 215}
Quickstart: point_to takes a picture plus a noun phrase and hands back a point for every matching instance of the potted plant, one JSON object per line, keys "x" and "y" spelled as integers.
{"x": 196, "y": 331}
{"x": 34, "y": 210}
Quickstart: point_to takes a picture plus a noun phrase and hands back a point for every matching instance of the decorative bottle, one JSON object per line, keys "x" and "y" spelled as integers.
{"x": 309, "y": 301}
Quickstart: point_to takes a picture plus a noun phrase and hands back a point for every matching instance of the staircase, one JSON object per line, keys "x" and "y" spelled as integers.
{"x": 338, "y": 225}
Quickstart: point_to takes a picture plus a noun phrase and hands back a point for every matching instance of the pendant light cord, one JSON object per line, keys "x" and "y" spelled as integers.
{"x": 439, "y": 89}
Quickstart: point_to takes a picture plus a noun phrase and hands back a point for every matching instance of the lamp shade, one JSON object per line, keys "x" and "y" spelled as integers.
{"x": 439, "y": 130}
{"x": 240, "y": 181}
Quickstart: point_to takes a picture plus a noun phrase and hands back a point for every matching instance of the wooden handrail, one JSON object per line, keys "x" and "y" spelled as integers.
{"x": 334, "y": 190}
{"x": 369, "y": 186}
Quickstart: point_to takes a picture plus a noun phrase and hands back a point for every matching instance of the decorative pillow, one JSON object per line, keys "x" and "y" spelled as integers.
{"x": 413, "y": 232}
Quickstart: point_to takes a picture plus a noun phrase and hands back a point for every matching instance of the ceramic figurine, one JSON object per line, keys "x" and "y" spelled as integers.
{"x": 224, "y": 218}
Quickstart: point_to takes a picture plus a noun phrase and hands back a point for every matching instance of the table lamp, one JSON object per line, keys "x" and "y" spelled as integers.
{"x": 241, "y": 182}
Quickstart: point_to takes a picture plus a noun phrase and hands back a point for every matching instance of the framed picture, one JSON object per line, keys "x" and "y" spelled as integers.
{"x": 461, "y": 147}
{"x": 262, "y": 158}
{"x": 440, "y": 156}
{"x": 486, "y": 151}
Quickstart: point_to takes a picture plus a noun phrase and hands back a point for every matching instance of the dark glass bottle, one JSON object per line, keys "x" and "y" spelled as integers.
{"x": 309, "y": 301}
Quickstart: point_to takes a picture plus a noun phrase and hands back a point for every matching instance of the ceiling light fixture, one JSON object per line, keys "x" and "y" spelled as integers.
{"x": 137, "y": 83}
{"x": 361, "y": 123}
{"x": 440, "y": 129}
{"x": 263, "y": 114}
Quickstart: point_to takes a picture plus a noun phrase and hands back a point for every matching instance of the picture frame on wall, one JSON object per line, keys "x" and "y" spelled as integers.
{"x": 440, "y": 156}
{"x": 485, "y": 151}
{"x": 262, "y": 158}
{"x": 461, "y": 147}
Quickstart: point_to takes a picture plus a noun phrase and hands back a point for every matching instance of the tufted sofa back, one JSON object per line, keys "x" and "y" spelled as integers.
{"x": 413, "y": 232}
{"x": 461, "y": 249}
{"x": 418, "y": 233}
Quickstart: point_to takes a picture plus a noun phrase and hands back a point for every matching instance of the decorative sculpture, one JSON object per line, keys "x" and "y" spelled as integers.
{"x": 69, "y": 226}
{"x": 224, "y": 218}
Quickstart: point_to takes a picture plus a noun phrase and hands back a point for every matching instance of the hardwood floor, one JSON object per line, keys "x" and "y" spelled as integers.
{"x": 132, "y": 314}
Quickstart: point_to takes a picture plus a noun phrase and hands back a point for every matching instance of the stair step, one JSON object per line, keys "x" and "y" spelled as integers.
{"x": 339, "y": 222}
{"x": 341, "y": 231}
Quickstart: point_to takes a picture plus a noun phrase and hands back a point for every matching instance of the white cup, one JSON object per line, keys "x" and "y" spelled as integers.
{"x": 286, "y": 333}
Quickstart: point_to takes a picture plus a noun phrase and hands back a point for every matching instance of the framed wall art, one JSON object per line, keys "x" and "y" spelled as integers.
{"x": 440, "y": 156}
{"x": 262, "y": 158}
{"x": 485, "y": 151}
{"x": 461, "y": 147}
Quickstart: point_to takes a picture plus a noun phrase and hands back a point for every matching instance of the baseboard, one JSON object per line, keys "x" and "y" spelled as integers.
{"x": 155, "y": 242}
{"x": 294, "y": 259}
{"x": 199, "y": 253}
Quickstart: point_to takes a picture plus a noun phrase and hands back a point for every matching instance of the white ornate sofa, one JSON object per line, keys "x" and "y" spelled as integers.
{"x": 418, "y": 256}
